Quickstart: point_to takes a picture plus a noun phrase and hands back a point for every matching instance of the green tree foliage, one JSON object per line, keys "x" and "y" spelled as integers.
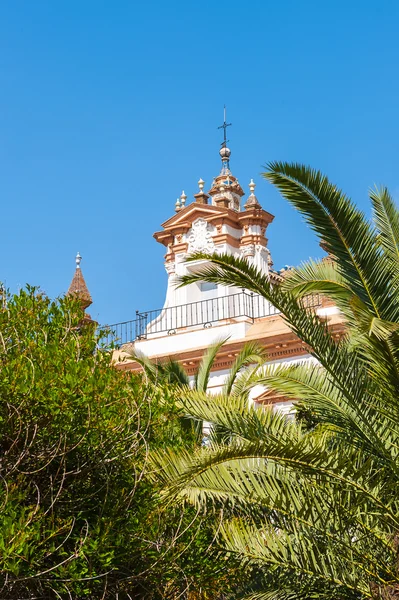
{"x": 79, "y": 517}
{"x": 316, "y": 505}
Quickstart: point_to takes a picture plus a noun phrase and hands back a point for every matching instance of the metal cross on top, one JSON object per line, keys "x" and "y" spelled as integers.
{"x": 224, "y": 127}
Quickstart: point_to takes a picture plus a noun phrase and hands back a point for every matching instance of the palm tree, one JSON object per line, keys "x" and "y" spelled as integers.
{"x": 242, "y": 376}
{"x": 251, "y": 357}
{"x": 317, "y": 509}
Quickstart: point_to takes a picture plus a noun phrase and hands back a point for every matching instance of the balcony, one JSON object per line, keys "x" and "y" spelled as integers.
{"x": 196, "y": 315}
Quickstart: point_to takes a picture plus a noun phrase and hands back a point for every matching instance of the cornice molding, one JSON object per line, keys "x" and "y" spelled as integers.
{"x": 278, "y": 347}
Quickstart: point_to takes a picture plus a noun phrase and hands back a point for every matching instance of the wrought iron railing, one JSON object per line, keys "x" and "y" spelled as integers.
{"x": 195, "y": 315}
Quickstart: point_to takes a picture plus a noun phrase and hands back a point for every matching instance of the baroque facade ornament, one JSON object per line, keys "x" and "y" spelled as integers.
{"x": 248, "y": 250}
{"x": 170, "y": 267}
{"x": 200, "y": 238}
{"x": 261, "y": 249}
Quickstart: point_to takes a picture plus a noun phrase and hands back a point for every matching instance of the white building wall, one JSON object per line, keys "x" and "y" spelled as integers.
{"x": 162, "y": 345}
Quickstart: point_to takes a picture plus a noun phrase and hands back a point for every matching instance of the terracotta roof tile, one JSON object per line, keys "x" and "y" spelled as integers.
{"x": 79, "y": 289}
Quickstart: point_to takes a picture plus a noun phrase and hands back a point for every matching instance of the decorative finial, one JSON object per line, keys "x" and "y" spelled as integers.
{"x": 78, "y": 260}
{"x": 177, "y": 205}
{"x": 224, "y": 150}
{"x": 252, "y": 201}
{"x": 224, "y": 127}
{"x": 201, "y": 197}
{"x": 183, "y": 199}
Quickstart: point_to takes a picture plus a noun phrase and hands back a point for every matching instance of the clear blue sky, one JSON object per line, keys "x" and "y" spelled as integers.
{"x": 109, "y": 109}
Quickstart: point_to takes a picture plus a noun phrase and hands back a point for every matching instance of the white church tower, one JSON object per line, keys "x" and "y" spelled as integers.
{"x": 197, "y": 315}
{"x": 215, "y": 222}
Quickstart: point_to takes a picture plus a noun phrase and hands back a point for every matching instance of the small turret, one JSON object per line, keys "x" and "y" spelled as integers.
{"x": 78, "y": 287}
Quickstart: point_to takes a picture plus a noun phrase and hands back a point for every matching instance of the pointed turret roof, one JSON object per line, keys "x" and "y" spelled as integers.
{"x": 78, "y": 286}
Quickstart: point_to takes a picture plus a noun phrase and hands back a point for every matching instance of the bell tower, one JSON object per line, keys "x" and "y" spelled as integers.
{"x": 215, "y": 222}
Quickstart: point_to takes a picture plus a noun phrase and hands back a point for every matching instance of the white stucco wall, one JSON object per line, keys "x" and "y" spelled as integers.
{"x": 162, "y": 345}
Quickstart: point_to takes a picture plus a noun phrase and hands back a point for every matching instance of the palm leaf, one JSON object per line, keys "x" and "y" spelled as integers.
{"x": 174, "y": 372}
{"x": 206, "y": 364}
{"x": 251, "y": 353}
{"x": 318, "y": 277}
{"x": 386, "y": 218}
{"x": 316, "y": 508}
{"x": 343, "y": 228}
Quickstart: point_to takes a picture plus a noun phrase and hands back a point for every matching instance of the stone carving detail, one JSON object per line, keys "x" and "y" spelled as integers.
{"x": 200, "y": 237}
{"x": 170, "y": 267}
{"x": 261, "y": 249}
{"x": 248, "y": 250}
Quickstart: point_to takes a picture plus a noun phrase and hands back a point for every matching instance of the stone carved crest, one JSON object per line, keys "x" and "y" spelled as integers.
{"x": 200, "y": 237}
{"x": 248, "y": 250}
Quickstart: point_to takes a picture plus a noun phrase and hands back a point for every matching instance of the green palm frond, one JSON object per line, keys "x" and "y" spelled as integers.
{"x": 304, "y": 323}
{"x": 229, "y": 271}
{"x": 173, "y": 372}
{"x": 305, "y": 590}
{"x": 170, "y": 371}
{"x": 343, "y": 228}
{"x": 250, "y": 354}
{"x": 237, "y": 416}
{"x": 233, "y": 271}
{"x": 150, "y": 367}
{"x": 246, "y": 381}
{"x": 370, "y": 325}
{"x": 314, "y": 509}
{"x": 359, "y": 409}
{"x": 320, "y": 277}
{"x": 263, "y": 444}
{"x": 206, "y": 364}
{"x": 299, "y": 554}
{"x": 386, "y": 218}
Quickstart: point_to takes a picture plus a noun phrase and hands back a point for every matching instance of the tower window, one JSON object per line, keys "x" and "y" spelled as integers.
{"x": 206, "y": 286}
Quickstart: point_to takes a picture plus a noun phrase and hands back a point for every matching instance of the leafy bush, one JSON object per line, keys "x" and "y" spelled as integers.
{"x": 79, "y": 517}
